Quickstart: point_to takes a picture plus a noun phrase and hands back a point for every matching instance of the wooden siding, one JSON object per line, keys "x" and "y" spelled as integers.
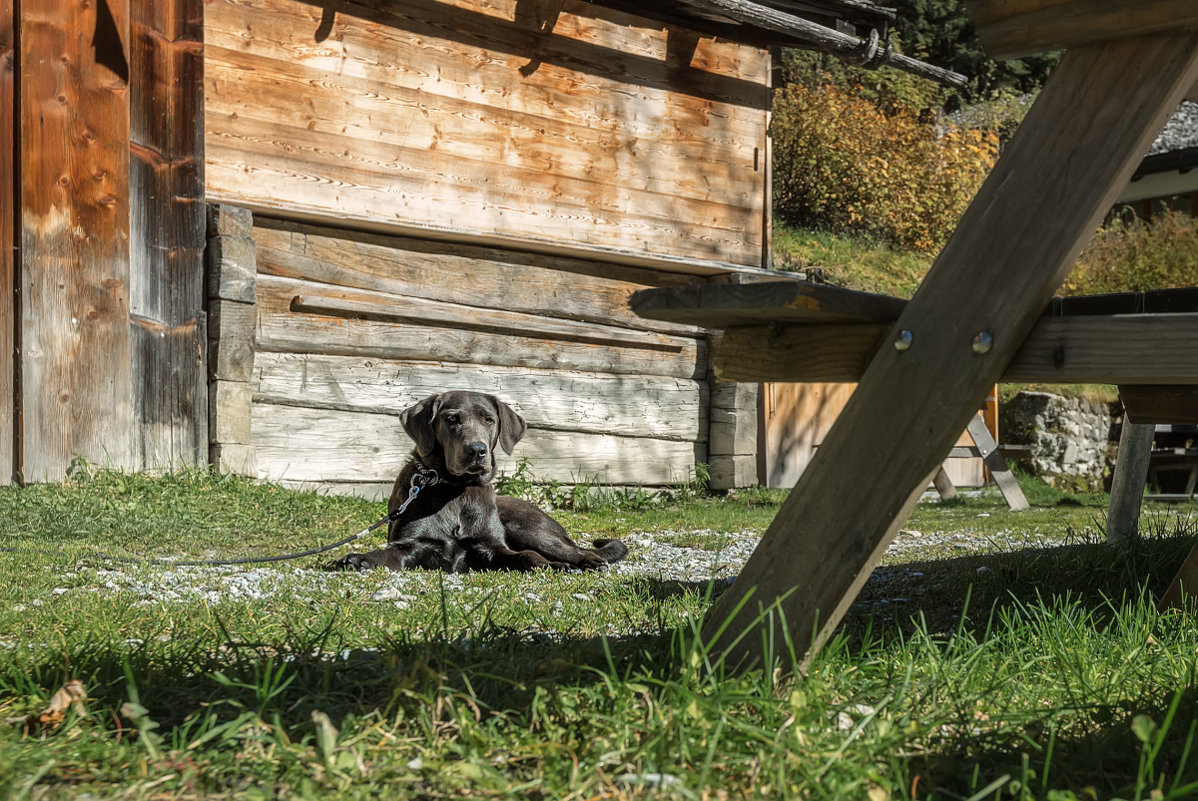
{"x": 607, "y": 133}
{"x": 8, "y": 213}
{"x": 354, "y": 327}
{"x": 75, "y": 370}
{"x": 167, "y": 233}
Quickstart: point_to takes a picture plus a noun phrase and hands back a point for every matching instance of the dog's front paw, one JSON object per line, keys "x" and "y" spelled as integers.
{"x": 354, "y": 561}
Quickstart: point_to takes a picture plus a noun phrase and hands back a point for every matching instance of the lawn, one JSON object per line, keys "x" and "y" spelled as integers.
{"x": 994, "y": 655}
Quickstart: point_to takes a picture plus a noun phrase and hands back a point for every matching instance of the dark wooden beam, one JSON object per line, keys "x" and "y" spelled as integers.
{"x": 1104, "y": 349}
{"x": 1160, "y": 403}
{"x": 726, "y": 305}
{"x": 1014, "y": 28}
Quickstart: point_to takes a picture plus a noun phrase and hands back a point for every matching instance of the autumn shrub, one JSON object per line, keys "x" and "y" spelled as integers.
{"x": 1137, "y": 256}
{"x": 845, "y": 163}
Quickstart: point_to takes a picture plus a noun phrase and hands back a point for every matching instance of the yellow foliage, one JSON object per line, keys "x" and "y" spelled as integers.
{"x": 843, "y": 164}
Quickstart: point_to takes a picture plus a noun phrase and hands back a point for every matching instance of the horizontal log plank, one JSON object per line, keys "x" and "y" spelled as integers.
{"x": 1105, "y": 349}
{"x": 636, "y": 406}
{"x": 297, "y": 444}
{"x": 476, "y": 137}
{"x": 413, "y": 47}
{"x": 1014, "y": 28}
{"x": 322, "y": 176}
{"x": 282, "y": 329}
{"x": 547, "y": 286}
{"x": 359, "y": 304}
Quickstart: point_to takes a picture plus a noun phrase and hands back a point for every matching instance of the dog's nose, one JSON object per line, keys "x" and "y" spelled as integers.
{"x": 476, "y": 450}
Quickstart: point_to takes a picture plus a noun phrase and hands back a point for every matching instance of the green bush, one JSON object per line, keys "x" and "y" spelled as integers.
{"x": 1137, "y": 256}
{"x": 846, "y": 163}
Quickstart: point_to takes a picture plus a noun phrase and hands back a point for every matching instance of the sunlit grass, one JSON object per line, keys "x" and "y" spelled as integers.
{"x": 1047, "y": 675}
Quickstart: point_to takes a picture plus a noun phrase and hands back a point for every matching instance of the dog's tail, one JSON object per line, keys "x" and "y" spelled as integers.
{"x": 610, "y": 550}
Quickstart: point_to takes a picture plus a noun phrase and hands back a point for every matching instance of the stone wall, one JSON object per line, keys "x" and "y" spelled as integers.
{"x": 1070, "y": 438}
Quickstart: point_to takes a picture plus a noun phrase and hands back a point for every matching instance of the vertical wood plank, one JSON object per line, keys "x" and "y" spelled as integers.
{"x": 8, "y": 211}
{"x": 1078, "y": 145}
{"x": 167, "y": 325}
{"x": 74, "y": 235}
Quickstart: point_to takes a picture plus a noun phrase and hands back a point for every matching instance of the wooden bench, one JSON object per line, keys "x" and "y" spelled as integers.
{"x": 977, "y": 318}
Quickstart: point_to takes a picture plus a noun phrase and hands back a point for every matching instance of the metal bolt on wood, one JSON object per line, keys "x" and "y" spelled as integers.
{"x": 982, "y": 342}
{"x": 903, "y": 340}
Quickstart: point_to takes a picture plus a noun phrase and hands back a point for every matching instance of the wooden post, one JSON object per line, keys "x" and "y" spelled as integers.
{"x": 944, "y": 485}
{"x": 233, "y": 300}
{"x": 75, "y": 374}
{"x": 1078, "y": 146}
{"x": 8, "y": 212}
{"x": 1127, "y": 484}
{"x": 166, "y": 282}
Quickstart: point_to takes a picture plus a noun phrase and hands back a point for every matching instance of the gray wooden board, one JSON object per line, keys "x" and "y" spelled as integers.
{"x": 517, "y": 281}
{"x": 302, "y": 444}
{"x": 282, "y": 329}
{"x": 567, "y": 400}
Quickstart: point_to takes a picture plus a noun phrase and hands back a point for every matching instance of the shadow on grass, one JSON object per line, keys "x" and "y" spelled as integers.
{"x": 1137, "y": 748}
{"x": 1093, "y": 572}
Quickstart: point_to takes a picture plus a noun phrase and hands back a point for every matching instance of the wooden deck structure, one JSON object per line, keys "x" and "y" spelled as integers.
{"x": 976, "y": 318}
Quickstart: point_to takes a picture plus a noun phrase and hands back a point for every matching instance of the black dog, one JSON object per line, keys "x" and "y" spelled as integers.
{"x": 457, "y": 523}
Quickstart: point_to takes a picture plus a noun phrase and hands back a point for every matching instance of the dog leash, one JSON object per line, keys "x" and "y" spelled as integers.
{"x": 424, "y": 477}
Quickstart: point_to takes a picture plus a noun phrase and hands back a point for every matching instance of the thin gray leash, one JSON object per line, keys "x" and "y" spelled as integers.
{"x": 421, "y": 479}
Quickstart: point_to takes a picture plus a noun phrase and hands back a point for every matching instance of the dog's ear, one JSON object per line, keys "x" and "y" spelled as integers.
{"x": 511, "y": 425}
{"x": 417, "y": 420}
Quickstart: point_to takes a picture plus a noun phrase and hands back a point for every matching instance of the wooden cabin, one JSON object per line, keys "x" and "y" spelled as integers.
{"x": 252, "y": 231}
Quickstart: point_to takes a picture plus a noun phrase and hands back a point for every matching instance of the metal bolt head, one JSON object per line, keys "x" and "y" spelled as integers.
{"x": 903, "y": 340}
{"x": 982, "y": 342}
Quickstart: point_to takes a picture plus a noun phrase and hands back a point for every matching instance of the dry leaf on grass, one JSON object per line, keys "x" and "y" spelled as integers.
{"x": 69, "y": 696}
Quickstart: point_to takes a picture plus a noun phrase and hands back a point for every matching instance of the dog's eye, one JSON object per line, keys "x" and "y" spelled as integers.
{"x": 453, "y": 419}
{"x": 490, "y": 420}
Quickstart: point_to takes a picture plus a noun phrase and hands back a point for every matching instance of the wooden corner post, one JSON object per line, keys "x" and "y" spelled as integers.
{"x": 1094, "y": 120}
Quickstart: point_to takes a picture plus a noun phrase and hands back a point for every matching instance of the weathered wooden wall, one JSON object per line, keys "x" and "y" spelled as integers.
{"x": 351, "y": 328}
{"x": 587, "y": 131}
{"x": 104, "y": 138}
{"x": 76, "y": 388}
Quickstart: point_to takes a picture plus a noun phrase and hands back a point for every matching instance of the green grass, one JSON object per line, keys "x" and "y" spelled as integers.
{"x": 1018, "y": 658}
{"x": 850, "y": 262}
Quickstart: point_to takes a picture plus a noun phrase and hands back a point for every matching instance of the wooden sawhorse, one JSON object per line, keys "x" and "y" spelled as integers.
{"x": 1128, "y": 64}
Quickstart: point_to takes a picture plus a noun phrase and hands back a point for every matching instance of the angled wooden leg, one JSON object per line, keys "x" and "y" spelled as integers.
{"x": 1078, "y": 146}
{"x": 994, "y": 460}
{"x": 944, "y": 485}
{"x": 1184, "y": 586}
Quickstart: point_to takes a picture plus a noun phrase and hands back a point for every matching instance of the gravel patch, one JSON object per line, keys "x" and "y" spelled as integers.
{"x": 651, "y": 555}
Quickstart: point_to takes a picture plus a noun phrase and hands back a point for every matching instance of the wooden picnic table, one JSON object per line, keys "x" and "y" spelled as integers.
{"x": 923, "y": 369}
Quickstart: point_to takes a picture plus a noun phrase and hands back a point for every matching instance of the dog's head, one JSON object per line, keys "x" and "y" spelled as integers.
{"x": 461, "y": 430}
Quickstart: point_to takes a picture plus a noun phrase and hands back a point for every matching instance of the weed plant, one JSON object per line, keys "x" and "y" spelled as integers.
{"x": 1048, "y": 675}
